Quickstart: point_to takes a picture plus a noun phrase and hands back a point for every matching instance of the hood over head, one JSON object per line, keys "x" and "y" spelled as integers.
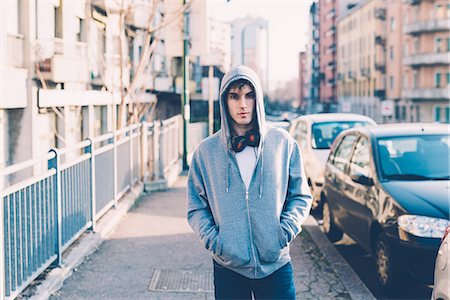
{"x": 236, "y": 73}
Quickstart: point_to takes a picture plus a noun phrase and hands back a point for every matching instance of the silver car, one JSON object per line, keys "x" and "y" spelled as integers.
{"x": 442, "y": 269}
{"x": 315, "y": 133}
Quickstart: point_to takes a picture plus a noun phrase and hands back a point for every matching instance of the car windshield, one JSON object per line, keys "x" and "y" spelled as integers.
{"x": 414, "y": 157}
{"x": 323, "y": 134}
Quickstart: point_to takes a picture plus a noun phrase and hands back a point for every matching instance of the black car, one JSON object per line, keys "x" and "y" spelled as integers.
{"x": 387, "y": 187}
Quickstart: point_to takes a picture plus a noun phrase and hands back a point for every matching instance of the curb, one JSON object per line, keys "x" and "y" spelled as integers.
{"x": 87, "y": 244}
{"x": 347, "y": 276}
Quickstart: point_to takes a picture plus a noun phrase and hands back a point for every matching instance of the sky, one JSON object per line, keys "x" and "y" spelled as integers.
{"x": 288, "y": 26}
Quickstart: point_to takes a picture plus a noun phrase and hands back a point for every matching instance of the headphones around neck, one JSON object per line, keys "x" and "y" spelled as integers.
{"x": 239, "y": 142}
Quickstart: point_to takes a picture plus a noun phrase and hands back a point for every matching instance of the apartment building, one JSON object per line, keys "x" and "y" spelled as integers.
{"x": 250, "y": 46}
{"x": 362, "y": 59}
{"x": 393, "y": 16}
{"x": 303, "y": 80}
{"x": 71, "y": 70}
{"x": 327, "y": 29}
{"x": 312, "y": 65}
{"x": 426, "y": 62}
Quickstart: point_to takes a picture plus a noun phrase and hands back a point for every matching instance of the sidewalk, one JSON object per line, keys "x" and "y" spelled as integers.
{"x": 153, "y": 254}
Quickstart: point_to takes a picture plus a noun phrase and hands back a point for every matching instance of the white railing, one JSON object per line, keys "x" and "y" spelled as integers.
{"x": 41, "y": 216}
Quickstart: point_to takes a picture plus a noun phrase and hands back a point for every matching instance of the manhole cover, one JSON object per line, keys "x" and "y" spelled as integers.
{"x": 181, "y": 281}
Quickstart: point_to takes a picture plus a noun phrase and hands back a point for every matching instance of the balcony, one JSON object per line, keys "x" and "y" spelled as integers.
{"x": 61, "y": 61}
{"x": 380, "y": 40}
{"x": 15, "y": 44}
{"x": 331, "y": 64}
{"x": 430, "y": 93}
{"x": 365, "y": 72}
{"x": 380, "y": 66}
{"x": 331, "y": 31}
{"x": 415, "y": 2}
{"x": 427, "y": 59}
{"x": 331, "y": 49}
{"x": 13, "y": 74}
{"x": 380, "y": 13}
{"x": 427, "y": 26}
{"x": 381, "y": 94}
{"x": 351, "y": 75}
{"x": 138, "y": 17}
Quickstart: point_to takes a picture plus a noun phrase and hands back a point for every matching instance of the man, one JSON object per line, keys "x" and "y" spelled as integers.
{"x": 247, "y": 195}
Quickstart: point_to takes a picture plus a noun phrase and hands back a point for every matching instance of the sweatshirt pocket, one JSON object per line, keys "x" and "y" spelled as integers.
{"x": 270, "y": 244}
{"x": 235, "y": 250}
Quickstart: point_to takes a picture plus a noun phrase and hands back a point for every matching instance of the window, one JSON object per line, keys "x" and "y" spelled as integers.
{"x": 448, "y": 79}
{"x": 391, "y": 82}
{"x": 392, "y": 24}
{"x": 437, "y": 79}
{"x": 437, "y": 45}
{"x": 447, "y": 115}
{"x": 360, "y": 162}
{"x": 59, "y": 20}
{"x": 437, "y": 114}
{"x": 405, "y": 82}
{"x": 448, "y": 44}
{"x": 415, "y": 79}
{"x": 342, "y": 154}
{"x": 416, "y": 45}
{"x": 81, "y": 34}
{"x": 391, "y": 52}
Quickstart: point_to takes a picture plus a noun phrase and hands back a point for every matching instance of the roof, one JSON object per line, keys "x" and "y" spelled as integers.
{"x": 316, "y": 118}
{"x": 403, "y": 129}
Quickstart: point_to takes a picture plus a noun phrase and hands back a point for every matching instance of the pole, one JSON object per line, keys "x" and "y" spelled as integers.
{"x": 185, "y": 98}
{"x": 211, "y": 101}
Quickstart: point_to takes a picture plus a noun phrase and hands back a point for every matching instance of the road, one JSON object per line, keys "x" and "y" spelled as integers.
{"x": 362, "y": 264}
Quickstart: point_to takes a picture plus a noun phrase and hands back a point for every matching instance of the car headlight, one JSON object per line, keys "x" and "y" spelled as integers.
{"x": 422, "y": 226}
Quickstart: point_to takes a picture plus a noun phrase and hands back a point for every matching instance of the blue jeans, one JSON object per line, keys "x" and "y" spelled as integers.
{"x": 231, "y": 285}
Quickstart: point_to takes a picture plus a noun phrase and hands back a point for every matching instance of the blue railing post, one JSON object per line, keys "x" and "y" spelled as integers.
{"x": 144, "y": 151}
{"x": 115, "y": 168}
{"x": 90, "y": 149}
{"x": 131, "y": 156}
{"x": 2, "y": 239}
{"x": 55, "y": 164}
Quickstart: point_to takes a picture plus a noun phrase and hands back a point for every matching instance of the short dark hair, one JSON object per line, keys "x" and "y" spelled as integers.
{"x": 239, "y": 83}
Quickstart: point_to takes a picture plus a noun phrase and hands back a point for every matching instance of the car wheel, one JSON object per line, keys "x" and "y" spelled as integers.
{"x": 385, "y": 263}
{"x": 334, "y": 234}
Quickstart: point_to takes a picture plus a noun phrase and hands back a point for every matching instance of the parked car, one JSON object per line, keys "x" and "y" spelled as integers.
{"x": 387, "y": 187}
{"x": 281, "y": 124}
{"x": 315, "y": 133}
{"x": 441, "y": 288}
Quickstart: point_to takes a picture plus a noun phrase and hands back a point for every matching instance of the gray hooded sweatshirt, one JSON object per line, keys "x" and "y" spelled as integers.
{"x": 248, "y": 231}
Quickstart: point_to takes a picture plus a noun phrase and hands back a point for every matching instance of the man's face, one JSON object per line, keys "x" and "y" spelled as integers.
{"x": 241, "y": 104}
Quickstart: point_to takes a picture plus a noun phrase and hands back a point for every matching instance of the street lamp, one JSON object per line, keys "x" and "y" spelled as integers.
{"x": 185, "y": 109}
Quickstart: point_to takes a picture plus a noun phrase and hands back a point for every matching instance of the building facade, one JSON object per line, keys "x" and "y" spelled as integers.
{"x": 426, "y": 62}
{"x": 327, "y": 30}
{"x": 250, "y": 46}
{"x": 393, "y": 16}
{"x": 303, "y": 80}
{"x": 76, "y": 69}
{"x": 312, "y": 65}
{"x": 362, "y": 59}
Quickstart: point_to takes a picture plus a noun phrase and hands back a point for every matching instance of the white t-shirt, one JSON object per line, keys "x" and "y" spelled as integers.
{"x": 246, "y": 161}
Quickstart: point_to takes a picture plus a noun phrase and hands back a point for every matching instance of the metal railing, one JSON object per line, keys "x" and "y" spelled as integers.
{"x": 43, "y": 215}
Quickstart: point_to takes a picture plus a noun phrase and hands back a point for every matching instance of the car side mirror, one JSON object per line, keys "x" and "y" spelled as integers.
{"x": 362, "y": 179}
